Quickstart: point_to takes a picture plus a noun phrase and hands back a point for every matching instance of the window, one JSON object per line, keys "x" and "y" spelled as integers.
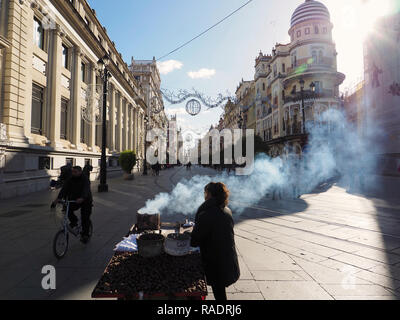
{"x": 321, "y": 57}
{"x": 100, "y": 40}
{"x": 325, "y": 30}
{"x": 263, "y": 86}
{"x": 307, "y": 30}
{"x": 37, "y": 110}
{"x": 83, "y": 130}
{"x": 65, "y": 56}
{"x": 64, "y": 119}
{"x": 318, "y": 86}
{"x": 44, "y": 163}
{"x": 283, "y": 68}
{"x": 294, "y": 60}
{"x": 316, "y": 29}
{"x": 98, "y": 136}
{"x": 70, "y": 161}
{"x": 83, "y": 72}
{"x": 275, "y": 70}
{"x": 298, "y": 33}
{"x": 87, "y": 21}
{"x": 314, "y": 57}
{"x": 38, "y": 33}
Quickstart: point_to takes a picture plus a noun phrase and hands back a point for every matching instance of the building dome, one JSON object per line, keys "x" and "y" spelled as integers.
{"x": 310, "y": 10}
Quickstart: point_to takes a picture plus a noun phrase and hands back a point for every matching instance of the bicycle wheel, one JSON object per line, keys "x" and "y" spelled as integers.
{"x": 60, "y": 244}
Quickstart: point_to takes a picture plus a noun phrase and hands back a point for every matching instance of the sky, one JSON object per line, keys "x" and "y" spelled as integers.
{"x": 216, "y": 62}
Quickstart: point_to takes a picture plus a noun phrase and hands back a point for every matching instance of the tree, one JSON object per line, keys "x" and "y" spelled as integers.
{"x": 127, "y": 160}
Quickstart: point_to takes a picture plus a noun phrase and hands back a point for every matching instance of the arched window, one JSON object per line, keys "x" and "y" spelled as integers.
{"x": 294, "y": 60}
{"x": 314, "y": 57}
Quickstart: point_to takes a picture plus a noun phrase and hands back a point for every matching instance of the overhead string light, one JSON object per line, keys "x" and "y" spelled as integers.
{"x": 205, "y": 31}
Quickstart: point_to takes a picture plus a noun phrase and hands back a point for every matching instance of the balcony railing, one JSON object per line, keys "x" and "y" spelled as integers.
{"x": 309, "y": 95}
{"x": 326, "y": 63}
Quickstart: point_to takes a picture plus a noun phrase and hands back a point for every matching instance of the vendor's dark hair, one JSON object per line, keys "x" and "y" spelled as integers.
{"x": 218, "y": 191}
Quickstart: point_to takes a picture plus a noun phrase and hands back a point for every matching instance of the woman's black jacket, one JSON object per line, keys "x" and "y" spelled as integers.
{"x": 214, "y": 234}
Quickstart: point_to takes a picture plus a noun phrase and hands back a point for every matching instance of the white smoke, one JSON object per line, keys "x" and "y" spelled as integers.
{"x": 334, "y": 150}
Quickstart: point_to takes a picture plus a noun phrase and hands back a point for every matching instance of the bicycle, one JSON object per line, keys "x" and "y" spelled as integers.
{"x": 61, "y": 239}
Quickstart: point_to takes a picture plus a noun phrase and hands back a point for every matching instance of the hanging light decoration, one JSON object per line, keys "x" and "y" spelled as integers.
{"x": 193, "y": 107}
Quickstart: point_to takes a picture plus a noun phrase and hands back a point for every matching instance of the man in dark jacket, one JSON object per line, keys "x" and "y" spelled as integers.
{"x": 77, "y": 189}
{"x": 213, "y": 233}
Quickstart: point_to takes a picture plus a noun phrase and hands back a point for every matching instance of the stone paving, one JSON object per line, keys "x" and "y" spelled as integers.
{"x": 327, "y": 245}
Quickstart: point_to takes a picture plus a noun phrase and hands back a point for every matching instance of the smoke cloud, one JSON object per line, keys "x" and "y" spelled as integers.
{"x": 334, "y": 149}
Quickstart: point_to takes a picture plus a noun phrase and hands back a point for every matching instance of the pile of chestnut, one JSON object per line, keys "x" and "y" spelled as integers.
{"x": 128, "y": 274}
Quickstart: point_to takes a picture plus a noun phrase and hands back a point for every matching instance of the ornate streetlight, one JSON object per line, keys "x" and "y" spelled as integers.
{"x": 312, "y": 86}
{"x": 302, "y": 104}
{"x": 146, "y": 122}
{"x": 240, "y": 120}
{"x": 105, "y": 75}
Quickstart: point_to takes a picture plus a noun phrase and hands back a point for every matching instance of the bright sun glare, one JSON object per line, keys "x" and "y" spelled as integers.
{"x": 359, "y": 16}
{"x": 353, "y": 20}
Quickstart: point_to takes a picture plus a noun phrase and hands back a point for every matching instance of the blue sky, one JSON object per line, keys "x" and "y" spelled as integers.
{"x": 144, "y": 29}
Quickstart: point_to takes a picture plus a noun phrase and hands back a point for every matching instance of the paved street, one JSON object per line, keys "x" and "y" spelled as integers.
{"x": 327, "y": 245}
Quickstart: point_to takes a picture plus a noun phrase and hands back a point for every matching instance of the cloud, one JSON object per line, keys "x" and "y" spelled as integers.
{"x": 168, "y": 66}
{"x": 203, "y": 73}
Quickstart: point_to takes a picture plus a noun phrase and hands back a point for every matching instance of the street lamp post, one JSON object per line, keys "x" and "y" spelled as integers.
{"x": 146, "y": 121}
{"x": 302, "y": 104}
{"x": 105, "y": 75}
{"x": 240, "y": 121}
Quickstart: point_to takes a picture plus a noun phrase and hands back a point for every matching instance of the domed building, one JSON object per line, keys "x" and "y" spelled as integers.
{"x": 306, "y": 67}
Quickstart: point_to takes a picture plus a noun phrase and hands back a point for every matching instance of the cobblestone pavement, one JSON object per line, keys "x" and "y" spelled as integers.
{"x": 327, "y": 245}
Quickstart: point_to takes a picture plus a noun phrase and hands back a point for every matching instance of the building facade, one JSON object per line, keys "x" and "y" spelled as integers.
{"x": 231, "y": 115}
{"x": 148, "y": 76}
{"x": 380, "y": 114}
{"x": 309, "y": 60}
{"x": 353, "y": 106}
{"x": 246, "y": 104}
{"x": 51, "y": 96}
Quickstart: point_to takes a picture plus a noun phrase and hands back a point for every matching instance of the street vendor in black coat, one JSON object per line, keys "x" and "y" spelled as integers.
{"x": 213, "y": 233}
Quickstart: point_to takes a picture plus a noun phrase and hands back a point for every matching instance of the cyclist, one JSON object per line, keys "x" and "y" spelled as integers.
{"x": 77, "y": 189}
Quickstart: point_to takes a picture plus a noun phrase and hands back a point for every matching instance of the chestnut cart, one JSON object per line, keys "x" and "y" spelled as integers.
{"x": 130, "y": 276}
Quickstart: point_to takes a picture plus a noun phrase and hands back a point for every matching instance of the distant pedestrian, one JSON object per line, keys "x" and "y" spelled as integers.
{"x": 87, "y": 169}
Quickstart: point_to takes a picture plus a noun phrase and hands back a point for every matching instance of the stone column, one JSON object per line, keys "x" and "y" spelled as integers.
{"x": 126, "y": 125}
{"x": 93, "y": 104}
{"x": 17, "y": 87}
{"x": 54, "y": 89}
{"x": 130, "y": 127}
{"x": 119, "y": 124}
{"x": 76, "y": 97}
{"x": 142, "y": 142}
{"x": 134, "y": 129}
{"x": 112, "y": 119}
